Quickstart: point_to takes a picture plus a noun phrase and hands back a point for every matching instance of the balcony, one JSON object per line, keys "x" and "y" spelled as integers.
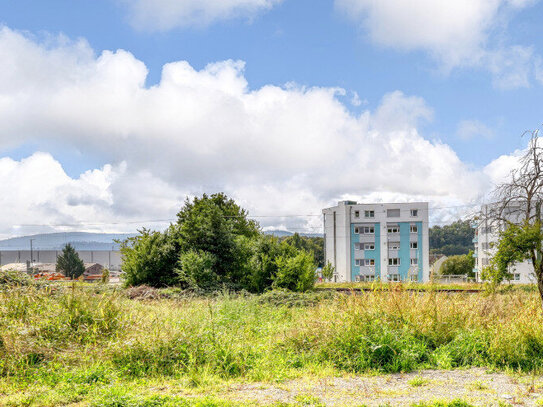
{"x": 475, "y": 239}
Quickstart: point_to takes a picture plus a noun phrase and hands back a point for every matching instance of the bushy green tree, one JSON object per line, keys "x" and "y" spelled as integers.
{"x": 214, "y": 245}
{"x": 150, "y": 258}
{"x": 69, "y": 263}
{"x": 515, "y": 244}
{"x": 196, "y": 270}
{"x": 311, "y": 244}
{"x": 458, "y": 265}
{"x": 295, "y": 273}
{"x": 213, "y": 224}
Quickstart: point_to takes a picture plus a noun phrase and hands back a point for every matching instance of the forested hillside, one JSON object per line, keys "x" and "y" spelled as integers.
{"x": 452, "y": 239}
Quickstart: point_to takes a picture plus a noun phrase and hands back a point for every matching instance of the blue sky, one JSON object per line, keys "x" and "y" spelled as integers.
{"x": 477, "y": 87}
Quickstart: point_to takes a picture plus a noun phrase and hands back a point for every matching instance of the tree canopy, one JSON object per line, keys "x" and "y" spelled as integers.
{"x": 458, "y": 265}
{"x": 69, "y": 263}
{"x": 214, "y": 245}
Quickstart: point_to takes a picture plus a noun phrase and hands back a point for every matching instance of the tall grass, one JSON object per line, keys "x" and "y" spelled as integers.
{"x": 80, "y": 338}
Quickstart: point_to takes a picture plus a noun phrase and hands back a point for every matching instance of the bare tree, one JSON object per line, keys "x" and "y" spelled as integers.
{"x": 516, "y": 211}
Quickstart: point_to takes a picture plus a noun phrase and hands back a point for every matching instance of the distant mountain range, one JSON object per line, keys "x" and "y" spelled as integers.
{"x": 56, "y": 241}
{"x": 91, "y": 241}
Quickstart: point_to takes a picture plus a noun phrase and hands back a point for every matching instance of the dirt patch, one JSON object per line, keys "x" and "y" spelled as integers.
{"x": 475, "y": 386}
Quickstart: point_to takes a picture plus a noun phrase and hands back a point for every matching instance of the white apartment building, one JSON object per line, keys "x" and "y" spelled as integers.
{"x": 387, "y": 242}
{"x": 486, "y": 236}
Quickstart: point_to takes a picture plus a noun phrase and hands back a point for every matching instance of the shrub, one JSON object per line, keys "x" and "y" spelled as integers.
{"x": 150, "y": 259}
{"x": 295, "y": 273}
{"x": 12, "y": 278}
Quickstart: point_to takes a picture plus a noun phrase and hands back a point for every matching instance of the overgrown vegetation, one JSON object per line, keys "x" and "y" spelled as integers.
{"x": 214, "y": 246}
{"x": 457, "y": 265}
{"x": 62, "y": 344}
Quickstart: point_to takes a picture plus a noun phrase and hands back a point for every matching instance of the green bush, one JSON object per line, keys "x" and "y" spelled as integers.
{"x": 11, "y": 278}
{"x": 295, "y": 273}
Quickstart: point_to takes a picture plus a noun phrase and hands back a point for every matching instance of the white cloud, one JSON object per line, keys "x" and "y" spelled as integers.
{"x": 278, "y": 150}
{"x": 460, "y": 33}
{"x": 469, "y": 129}
{"x": 168, "y": 14}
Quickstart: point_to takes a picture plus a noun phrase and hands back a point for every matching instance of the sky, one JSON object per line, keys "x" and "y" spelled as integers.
{"x": 113, "y": 112}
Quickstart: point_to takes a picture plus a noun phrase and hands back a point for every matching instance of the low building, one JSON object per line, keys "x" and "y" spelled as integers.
{"x": 368, "y": 242}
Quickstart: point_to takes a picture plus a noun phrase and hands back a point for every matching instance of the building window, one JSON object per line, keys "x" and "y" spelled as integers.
{"x": 369, "y": 214}
{"x": 484, "y": 261}
{"x": 369, "y": 262}
{"x": 369, "y": 246}
{"x": 413, "y": 229}
{"x": 414, "y": 213}
{"x": 393, "y": 277}
{"x": 358, "y": 262}
{"x": 485, "y": 246}
{"x": 394, "y": 245}
{"x": 486, "y": 230}
{"x": 356, "y": 214}
{"x": 414, "y": 262}
{"x": 368, "y": 230}
{"x": 393, "y": 213}
{"x": 393, "y": 229}
{"x": 516, "y": 277}
{"x": 394, "y": 261}
{"x": 413, "y": 245}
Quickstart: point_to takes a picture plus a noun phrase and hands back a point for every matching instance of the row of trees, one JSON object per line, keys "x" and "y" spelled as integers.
{"x": 212, "y": 245}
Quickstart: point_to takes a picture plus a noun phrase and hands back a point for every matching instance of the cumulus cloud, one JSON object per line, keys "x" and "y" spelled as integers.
{"x": 460, "y": 33}
{"x": 469, "y": 129}
{"x": 278, "y": 150}
{"x": 167, "y": 14}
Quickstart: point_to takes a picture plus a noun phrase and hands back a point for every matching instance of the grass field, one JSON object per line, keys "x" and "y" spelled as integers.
{"x": 100, "y": 346}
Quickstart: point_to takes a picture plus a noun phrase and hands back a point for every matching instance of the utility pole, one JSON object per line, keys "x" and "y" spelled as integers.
{"x": 31, "y": 254}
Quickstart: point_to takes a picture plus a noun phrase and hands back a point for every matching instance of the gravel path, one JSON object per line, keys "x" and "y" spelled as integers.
{"x": 475, "y": 386}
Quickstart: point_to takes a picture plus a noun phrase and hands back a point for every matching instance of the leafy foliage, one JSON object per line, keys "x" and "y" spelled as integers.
{"x": 69, "y": 263}
{"x": 516, "y": 244}
{"x": 328, "y": 271}
{"x": 13, "y": 278}
{"x": 150, "y": 258}
{"x": 453, "y": 239}
{"x": 214, "y": 245}
{"x": 314, "y": 245}
{"x": 459, "y": 265}
{"x": 295, "y": 273}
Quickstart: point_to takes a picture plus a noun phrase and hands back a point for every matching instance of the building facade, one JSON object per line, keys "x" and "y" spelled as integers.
{"x": 368, "y": 242}
{"x": 486, "y": 237}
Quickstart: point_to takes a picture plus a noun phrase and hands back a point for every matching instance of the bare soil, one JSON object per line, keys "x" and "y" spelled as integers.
{"x": 478, "y": 387}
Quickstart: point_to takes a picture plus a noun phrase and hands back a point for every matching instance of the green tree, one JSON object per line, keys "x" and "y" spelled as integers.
{"x": 150, "y": 258}
{"x": 458, "y": 265}
{"x": 315, "y": 245}
{"x": 69, "y": 263}
{"x": 295, "y": 273}
{"x": 515, "y": 244}
{"x": 516, "y": 212}
{"x": 196, "y": 270}
{"x": 214, "y": 225}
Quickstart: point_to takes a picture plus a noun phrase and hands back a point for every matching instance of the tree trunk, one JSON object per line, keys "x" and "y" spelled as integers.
{"x": 540, "y": 288}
